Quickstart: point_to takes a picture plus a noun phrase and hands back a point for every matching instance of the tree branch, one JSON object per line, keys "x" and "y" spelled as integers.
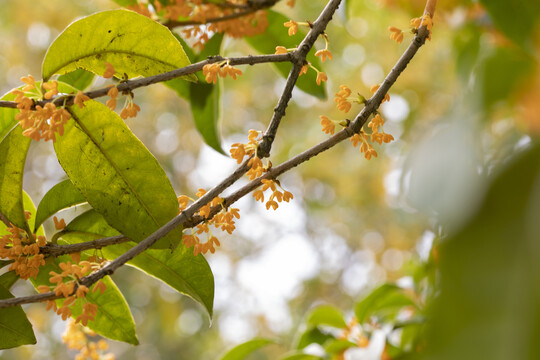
{"x": 59, "y": 250}
{"x": 189, "y": 214}
{"x": 137, "y": 83}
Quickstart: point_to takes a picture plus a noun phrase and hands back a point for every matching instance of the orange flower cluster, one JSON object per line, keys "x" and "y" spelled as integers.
{"x": 113, "y": 94}
{"x": 328, "y": 126}
{"x": 45, "y": 121}
{"x": 130, "y": 109}
{"x": 276, "y": 194}
{"x": 109, "y": 71}
{"x": 324, "y": 53}
{"x": 376, "y": 136}
{"x": 365, "y": 146}
{"x": 71, "y": 290}
{"x": 201, "y": 12}
{"x": 426, "y": 21}
{"x": 342, "y": 99}
{"x": 223, "y": 220}
{"x": 76, "y": 338}
{"x": 238, "y": 151}
{"x": 292, "y": 26}
{"x": 396, "y": 34}
{"x": 23, "y": 250}
{"x": 211, "y": 71}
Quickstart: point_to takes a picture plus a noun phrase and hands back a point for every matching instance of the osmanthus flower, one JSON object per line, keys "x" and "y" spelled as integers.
{"x": 276, "y": 197}
{"x": 112, "y": 93}
{"x": 328, "y": 126}
{"x": 80, "y": 98}
{"x": 281, "y": 50}
{"x": 321, "y": 77}
{"x": 396, "y": 34}
{"x": 342, "y": 99}
{"x": 109, "y": 71}
{"x": 293, "y": 27}
{"x": 52, "y": 87}
{"x": 303, "y": 70}
{"x": 324, "y": 54}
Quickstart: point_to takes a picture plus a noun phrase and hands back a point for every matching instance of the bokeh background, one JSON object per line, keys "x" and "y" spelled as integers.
{"x": 466, "y": 104}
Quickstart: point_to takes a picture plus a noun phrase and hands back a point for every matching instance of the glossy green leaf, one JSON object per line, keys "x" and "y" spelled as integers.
{"x": 188, "y": 274}
{"x": 326, "y": 315}
{"x": 8, "y": 279}
{"x": 15, "y": 329}
{"x": 386, "y": 300}
{"x": 134, "y": 44}
{"x": 517, "y": 19}
{"x": 313, "y": 336}
{"x": 113, "y": 319}
{"x": 489, "y": 297}
{"x": 275, "y": 35}
{"x": 241, "y": 351}
{"x": 13, "y": 150}
{"x": 60, "y": 196}
{"x": 117, "y": 174}
{"x": 80, "y": 79}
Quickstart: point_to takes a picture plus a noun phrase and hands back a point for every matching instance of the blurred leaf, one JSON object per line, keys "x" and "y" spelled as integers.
{"x": 241, "y": 351}
{"x": 299, "y": 356}
{"x": 501, "y": 74}
{"x": 125, "y": 2}
{"x": 386, "y": 300}
{"x": 80, "y": 79}
{"x": 113, "y": 319}
{"x": 13, "y": 151}
{"x": 517, "y": 19}
{"x": 466, "y": 46}
{"x": 190, "y": 275}
{"x": 276, "y": 34}
{"x": 132, "y": 43}
{"x": 117, "y": 174}
{"x": 326, "y": 315}
{"x": 338, "y": 346}
{"x": 3, "y": 262}
{"x": 490, "y": 295}
{"x": 313, "y": 336}
{"x": 60, "y": 196}
{"x": 7, "y": 280}
{"x": 15, "y": 329}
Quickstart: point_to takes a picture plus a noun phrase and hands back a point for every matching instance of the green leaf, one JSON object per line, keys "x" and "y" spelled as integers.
{"x": 241, "y": 351}
{"x": 7, "y": 280}
{"x": 125, "y": 2}
{"x": 313, "y": 336}
{"x": 7, "y": 116}
{"x": 113, "y": 319}
{"x": 386, "y": 301}
{"x": 500, "y": 74}
{"x": 296, "y": 355}
{"x": 276, "y": 34}
{"x": 80, "y": 79}
{"x": 13, "y": 150}
{"x": 326, "y": 315}
{"x": 338, "y": 346}
{"x": 134, "y": 44}
{"x": 505, "y": 13}
{"x": 188, "y": 274}
{"x": 4, "y": 262}
{"x": 489, "y": 298}
{"x": 117, "y": 174}
{"x": 15, "y": 329}
{"x": 60, "y": 196}
{"x": 204, "y": 98}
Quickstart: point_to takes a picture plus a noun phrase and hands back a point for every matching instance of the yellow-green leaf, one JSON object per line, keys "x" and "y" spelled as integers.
{"x": 134, "y": 44}
{"x": 117, "y": 174}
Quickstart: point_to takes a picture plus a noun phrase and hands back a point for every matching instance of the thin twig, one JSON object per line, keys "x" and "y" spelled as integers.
{"x": 317, "y": 28}
{"x": 59, "y": 250}
{"x": 137, "y": 83}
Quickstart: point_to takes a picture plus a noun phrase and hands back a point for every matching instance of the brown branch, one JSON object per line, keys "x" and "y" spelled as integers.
{"x": 137, "y": 83}
{"x": 5, "y": 220}
{"x": 371, "y": 106}
{"x": 317, "y": 28}
{"x": 59, "y": 250}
